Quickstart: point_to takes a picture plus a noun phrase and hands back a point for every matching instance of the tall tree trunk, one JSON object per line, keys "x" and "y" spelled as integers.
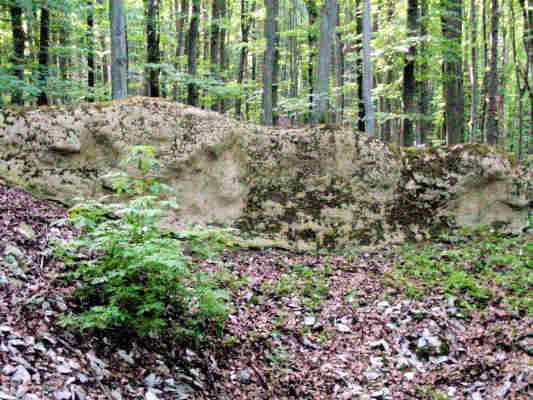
{"x": 44, "y": 43}
{"x": 520, "y": 87}
{"x": 119, "y": 58}
{"x": 64, "y": 58}
{"x": 452, "y": 27}
{"x": 409, "y": 81}
{"x": 182, "y": 15}
{"x": 270, "y": 68}
{"x": 491, "y": 124}
{"x": 339, "y": 71}
{"x": 328, "y": 18}
{"x": 389, "y": 78}
{"x": 312, "y": 11}
{"x": 484, "y": 93}
{"x": 222, "y": 49}
{"x": 527, "y": 13}
{"x": 473, "y": 72}
{"x": 91, "y": 76}
{"x": 17, "y": 95}
{"x": 215, "y": 40}
{"x": 192, "y": 89}
{"x": 367, "y": 69}
{"x": 245, "y": 31}
{"x": 153, "y": 54}
{"x": 424, "y": 123}
{"x": 359, "y": 67}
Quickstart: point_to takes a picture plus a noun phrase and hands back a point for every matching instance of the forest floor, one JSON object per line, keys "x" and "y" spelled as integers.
{"x": 302, "y": 327}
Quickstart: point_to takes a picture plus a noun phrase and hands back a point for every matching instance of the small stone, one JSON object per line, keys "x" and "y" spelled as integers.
{"x": 78, "y": 393}
{"x": 372, "y": 374}
{"x": 152, "y": 380}
{"x": 30, "y": 397}
{"x": 64, "y": 369}
{"x": 309, "y": 320}
{"x": 126, "y": 357}
{"x": 477, "y": 396}
{"x": 5, "y": 396}
{"x": 151, "y": 395}
{"x": 343, "y": 328}
{"x": 21, "y": 375}
{"x": 244, "y": 377}
{"x": 116, "y": 395}
{"x": 62, "y": 394}
{"x": 27, "y": 232}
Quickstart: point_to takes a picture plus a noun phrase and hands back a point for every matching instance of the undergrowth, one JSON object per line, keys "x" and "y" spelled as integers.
{"x": 478, "y": 267}
{"x": 131, "y": 276}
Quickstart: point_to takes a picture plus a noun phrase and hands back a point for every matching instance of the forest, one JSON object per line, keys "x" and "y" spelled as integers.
{"x": 247, "y": 200}
{"x": 449, "y": 71}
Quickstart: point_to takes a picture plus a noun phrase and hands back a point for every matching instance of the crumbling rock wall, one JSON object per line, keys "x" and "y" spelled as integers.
{"x": 303, "y": 186}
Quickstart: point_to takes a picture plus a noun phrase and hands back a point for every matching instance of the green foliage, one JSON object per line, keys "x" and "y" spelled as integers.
{"x": 478, "y": 266}
{"x": 132, "y": 276}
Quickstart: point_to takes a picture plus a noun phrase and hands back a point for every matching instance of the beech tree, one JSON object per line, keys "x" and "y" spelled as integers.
{"x": 15, "y": 10}
{"x": 452, "y": 29}
{"x": 271, "y": 59}
{"x": 119, "y": 61}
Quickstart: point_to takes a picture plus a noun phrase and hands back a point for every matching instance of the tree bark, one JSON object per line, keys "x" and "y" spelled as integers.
{"x": 119, "y": 58}
{"x": 409, "y": 81}
{"x": 339, "y": 62}
{"x": 246, "y": 22}
{"x": 270, "y": 68}
{"x": 425, "y": 122}
{"x": 312, "y": 11}
{"x": 44, "y": 43}
{"x": 367, "y": 69}
{"x": 153, "y": 54}
{"x": 91, "y": 69}
{"x": 491, "y": 124}
{"x": 192, "y": 89}
{"x": 17, "y": 95}
{"x": 452, "y": 27}
{"x": 473, "y": 73}
{"x": 361, "y": 124}
{"x": 328, "y": 19}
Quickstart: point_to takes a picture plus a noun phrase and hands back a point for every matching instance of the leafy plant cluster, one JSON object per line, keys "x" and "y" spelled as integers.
{"x": 478, "y": 266}
{"x": 130, "y": 275}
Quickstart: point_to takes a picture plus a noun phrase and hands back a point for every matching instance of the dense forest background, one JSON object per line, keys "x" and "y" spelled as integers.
{"x": 441, "y": 71}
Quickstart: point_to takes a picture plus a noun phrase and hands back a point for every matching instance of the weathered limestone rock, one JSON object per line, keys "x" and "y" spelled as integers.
{"x": 300, "y": 186}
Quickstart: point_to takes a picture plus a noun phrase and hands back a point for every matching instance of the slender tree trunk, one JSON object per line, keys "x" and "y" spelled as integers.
{"x": 182, "y": 15}
{"x": 424, "y": 123}
{"x": 518, "y": 82}
{"x": 270, "y": 68}
{"x": 293, "y": 57}
{"x": 491, "y": 124}
{"x": 17, "y": 95}
{"x": 327, "y": 26}
{"x": 192, "y": 89}
{"x": 44, "y": 43}
{"x": 484, "y": 94}
{"x": 312, "y": 11}
{"x": 361, "y": 126}
{"x": 245, "y": 31}
{"x": 527, "y": 13}
{"x": 389, "y": 78}
{"x": 222, "y": 50}
{"x": 473, "y": 72}
{"x": 64, "y": 58}
{"x": 91, "y": 69}
{"x": 367, "y": 69}
{"x": 153, "y": 54}
{"x": 339, "y": 112}
{"x": 119, "y": 58}
{"x": 409, "y": 81}
{"x": 452, "y": 26}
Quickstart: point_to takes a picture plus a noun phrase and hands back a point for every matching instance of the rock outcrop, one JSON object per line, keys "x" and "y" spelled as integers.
{"x": 305, "y": 186}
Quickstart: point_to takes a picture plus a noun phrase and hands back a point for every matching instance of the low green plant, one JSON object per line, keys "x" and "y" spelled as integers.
{"x": 477, "y": 266}
{"x": 132, "y": 276}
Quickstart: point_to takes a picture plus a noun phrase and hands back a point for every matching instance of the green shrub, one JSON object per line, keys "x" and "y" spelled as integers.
{"x": 131, "y": 276}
